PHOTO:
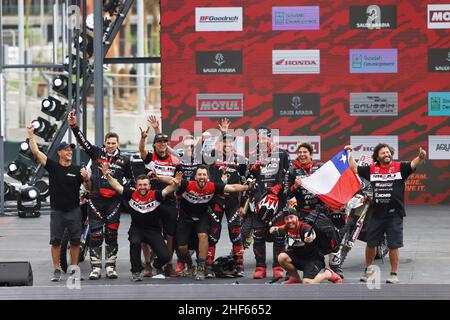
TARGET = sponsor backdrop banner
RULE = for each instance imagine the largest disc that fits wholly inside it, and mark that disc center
(439, 147)
(364, 145)
(374, 104)
(439, 103)
(354, 55)
(295, 18)
(373, 17)
(290, 144)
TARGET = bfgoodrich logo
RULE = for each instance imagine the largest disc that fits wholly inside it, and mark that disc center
(439, 60)
(295, 61)
(373, 60)
(289, 143)
(296, 104)
(373, 17)
(218, 19)
(438, 16)
(374, 104)
(295, 18)
(439, 147)
(220, 105)
(366, 144)
(219, 62)
(439, 103)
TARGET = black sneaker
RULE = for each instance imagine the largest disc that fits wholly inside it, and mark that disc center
(136, 276)
(56, 275)
(240, 271)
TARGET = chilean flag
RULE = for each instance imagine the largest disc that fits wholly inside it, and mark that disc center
(334, 183)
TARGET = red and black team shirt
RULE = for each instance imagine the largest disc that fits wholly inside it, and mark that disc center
(294, 239)
(193, 200)
(161, 166)
(144, 211)
(306, 201)
(388, 186)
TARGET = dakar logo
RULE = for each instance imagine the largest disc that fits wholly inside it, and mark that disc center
(296, 102)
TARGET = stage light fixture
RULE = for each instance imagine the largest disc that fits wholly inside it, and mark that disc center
(9, 191)
(61, 86)
(25, 150)
(74, 64)
(44, 190)
(85, 42)
(29, 202)
(19, 171)
(44, 129)
(54, 108)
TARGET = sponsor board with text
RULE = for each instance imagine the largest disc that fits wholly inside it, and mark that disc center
(373, 17)
(219, 62)
(439, 103)
(289, 143)
(296, 18)
(439, 147)
(366, 144)
(219, 19)
(220, 105)
(373, 61)
(296, 104)
(295, 61)
(439, 60)
(373, 103)
(438, 16)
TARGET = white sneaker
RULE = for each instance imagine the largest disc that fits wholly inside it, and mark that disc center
(368, 274)
(393, 279)
(111, 272)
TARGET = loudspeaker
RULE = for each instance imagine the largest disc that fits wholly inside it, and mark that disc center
(15, 274)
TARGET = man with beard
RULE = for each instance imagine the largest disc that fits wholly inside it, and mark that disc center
(302, 253)
(388, 182)
(162, 163)
(228, 167)
(104, 201)
(145, 219)
(300, 168)
(193, 217)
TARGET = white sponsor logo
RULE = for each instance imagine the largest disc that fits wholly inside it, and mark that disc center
(143, 207)
(290, 145)
(366, 144)
(385, 177)
(220, 105)
(218, 19)
(438, 16)
(295, 61)
(194, 198)
(439, 147)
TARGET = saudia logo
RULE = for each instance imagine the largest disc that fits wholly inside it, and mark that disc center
(295, 62)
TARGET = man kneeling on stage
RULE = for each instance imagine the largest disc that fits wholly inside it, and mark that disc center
(145, 219)
(302, 253)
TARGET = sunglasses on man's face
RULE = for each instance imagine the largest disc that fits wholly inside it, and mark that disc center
(162, 141)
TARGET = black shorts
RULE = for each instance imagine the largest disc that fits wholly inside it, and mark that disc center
(187, 227)
(169, 214)
(60, 220)
(310, 266)
(391, 225)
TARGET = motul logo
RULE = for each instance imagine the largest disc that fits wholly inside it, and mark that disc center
(440, 16)
(295, 62)
(220, 105)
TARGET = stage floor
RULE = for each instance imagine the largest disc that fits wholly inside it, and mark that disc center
(424, 270)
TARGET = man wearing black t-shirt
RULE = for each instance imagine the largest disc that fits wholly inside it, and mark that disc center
(145, 219)
(388, 182)
(65, 180)
(196, 197)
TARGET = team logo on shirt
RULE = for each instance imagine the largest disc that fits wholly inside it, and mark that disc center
(194, 197)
